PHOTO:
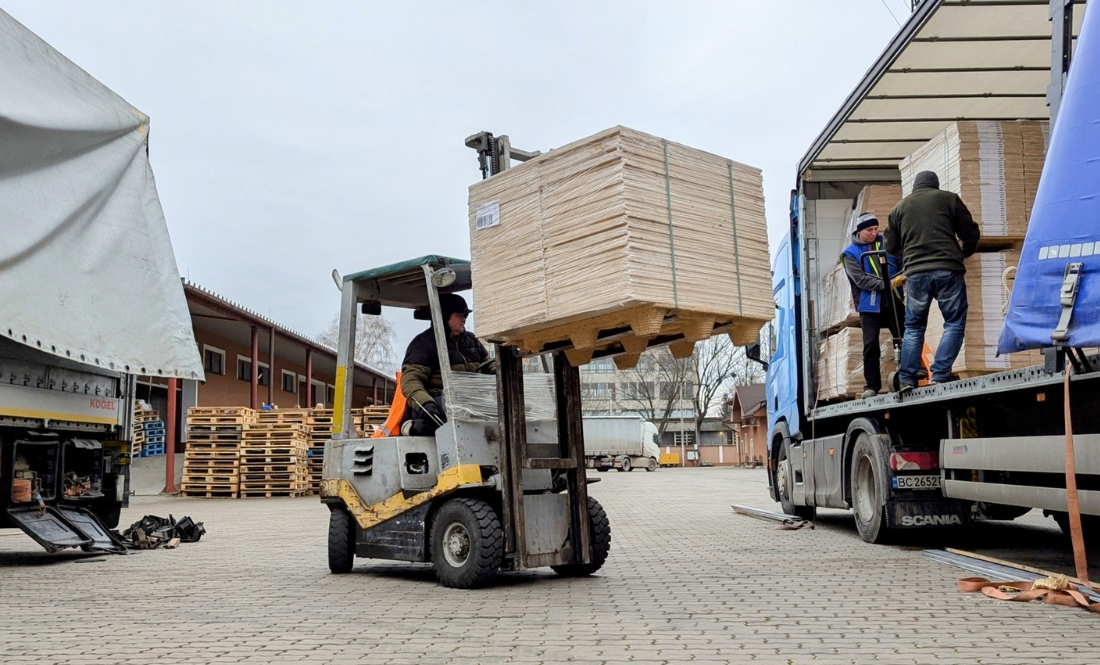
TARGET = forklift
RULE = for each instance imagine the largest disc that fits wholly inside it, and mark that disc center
(500, 485)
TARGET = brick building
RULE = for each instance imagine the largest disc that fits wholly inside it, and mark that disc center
(749, 419)
(294, 370)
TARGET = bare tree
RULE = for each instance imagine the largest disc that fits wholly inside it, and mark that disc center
(374, 339)
(653, 387)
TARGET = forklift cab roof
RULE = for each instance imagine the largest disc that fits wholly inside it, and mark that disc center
(404, 284)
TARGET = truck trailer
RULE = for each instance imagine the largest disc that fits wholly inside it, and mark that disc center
(987, 446)
(90, 296)
(621, 442)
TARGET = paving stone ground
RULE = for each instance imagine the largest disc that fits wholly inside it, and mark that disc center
(687, 581)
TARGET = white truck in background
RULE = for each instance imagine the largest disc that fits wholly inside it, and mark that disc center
(621, 442)
(90, 296)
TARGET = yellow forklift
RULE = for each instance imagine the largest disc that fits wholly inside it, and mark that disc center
(501, 483)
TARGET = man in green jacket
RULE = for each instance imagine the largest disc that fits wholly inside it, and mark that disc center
(421, 377)
(932, 231)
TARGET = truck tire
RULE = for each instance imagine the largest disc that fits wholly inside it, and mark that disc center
(652, 465)
(867, 483)
(467, 543)
(599, 535)
(626, 466)
(784, 477)
(341, 541)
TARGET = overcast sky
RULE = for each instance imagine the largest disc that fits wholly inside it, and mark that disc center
(291, 138)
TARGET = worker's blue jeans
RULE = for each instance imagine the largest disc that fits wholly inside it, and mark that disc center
(949, 290)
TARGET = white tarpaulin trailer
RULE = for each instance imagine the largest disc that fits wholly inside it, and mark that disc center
(86, 265)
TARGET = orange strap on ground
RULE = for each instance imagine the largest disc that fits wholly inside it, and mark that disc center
(1006, 591)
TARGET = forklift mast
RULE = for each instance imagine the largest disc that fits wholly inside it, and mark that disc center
(495, 153)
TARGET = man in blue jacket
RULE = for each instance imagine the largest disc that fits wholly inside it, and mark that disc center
(865, 273)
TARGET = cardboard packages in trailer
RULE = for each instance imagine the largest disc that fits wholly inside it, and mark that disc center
(620, 229)
(840, 363)
(993, 166)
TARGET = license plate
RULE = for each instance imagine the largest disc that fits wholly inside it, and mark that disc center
(923, 482)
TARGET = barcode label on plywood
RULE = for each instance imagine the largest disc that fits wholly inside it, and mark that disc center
(488, 215)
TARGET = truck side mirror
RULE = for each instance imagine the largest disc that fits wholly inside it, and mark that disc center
(752, 352)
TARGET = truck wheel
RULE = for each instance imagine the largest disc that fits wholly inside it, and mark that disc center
(652, 466)
(601, 469)
(599, 535)
(626, 465)
(341, 541)
(467, 543)
(784, 481)
(868, 503)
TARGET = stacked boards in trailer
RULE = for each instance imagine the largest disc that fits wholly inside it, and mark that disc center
(990, 445)
(90, 295)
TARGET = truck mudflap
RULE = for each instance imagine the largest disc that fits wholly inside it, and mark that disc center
(60, 528)
(901, 514)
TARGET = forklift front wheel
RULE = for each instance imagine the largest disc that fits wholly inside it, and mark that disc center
(599, 535)
(341, 541)
(467, 543)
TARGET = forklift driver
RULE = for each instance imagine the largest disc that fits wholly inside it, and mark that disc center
(421, 380)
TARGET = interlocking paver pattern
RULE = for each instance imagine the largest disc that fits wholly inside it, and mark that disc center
(687, 581)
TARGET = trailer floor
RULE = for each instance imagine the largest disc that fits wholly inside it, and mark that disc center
(687, 580)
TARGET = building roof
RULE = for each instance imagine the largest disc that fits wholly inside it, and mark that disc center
(751, 398)
(953, 60)
(216, 311)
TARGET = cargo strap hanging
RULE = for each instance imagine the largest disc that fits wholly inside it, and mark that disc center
(671, 238)
(736, 251)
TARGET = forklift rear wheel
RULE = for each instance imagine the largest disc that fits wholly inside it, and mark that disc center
(652, 466)
(599, 535)
(467, 543)
(625, 466)
(341, 541)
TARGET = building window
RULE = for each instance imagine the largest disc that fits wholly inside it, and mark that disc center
(290, 381)
(331, 394)
(685, 438)
(244, 371)
(598, 390)
(601, 366)
(213, 360)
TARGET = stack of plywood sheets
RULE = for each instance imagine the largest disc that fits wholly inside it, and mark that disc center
(621, 229)
(993, 166)
(838, 309)
(840, 364)
(878, 200)
(987, 298)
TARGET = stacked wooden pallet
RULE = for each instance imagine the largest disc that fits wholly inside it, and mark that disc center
(142, 415)
(274, 453)
(319, 424)
(620, 231)
(211, 467)
(369, 418)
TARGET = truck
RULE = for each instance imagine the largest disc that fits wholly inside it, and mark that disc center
(90, 296)
(624, 443)
(985, 447)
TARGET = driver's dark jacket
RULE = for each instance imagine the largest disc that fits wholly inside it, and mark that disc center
(421, 379)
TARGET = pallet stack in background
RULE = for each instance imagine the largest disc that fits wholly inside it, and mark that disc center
(273, 454)
(320, 430)
(211, 467)
(148, 432)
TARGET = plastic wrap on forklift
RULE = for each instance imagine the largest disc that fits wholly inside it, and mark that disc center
(474, 397)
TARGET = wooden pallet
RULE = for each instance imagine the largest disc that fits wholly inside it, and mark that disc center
(272, 457)
(193, 428)
(219, 420)
(288, 426)
(257, 494)
(265, 467)
(212, 453)
(213, 437)
(210, 466)
(201, 493)
(203, 479)
(282, 416)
